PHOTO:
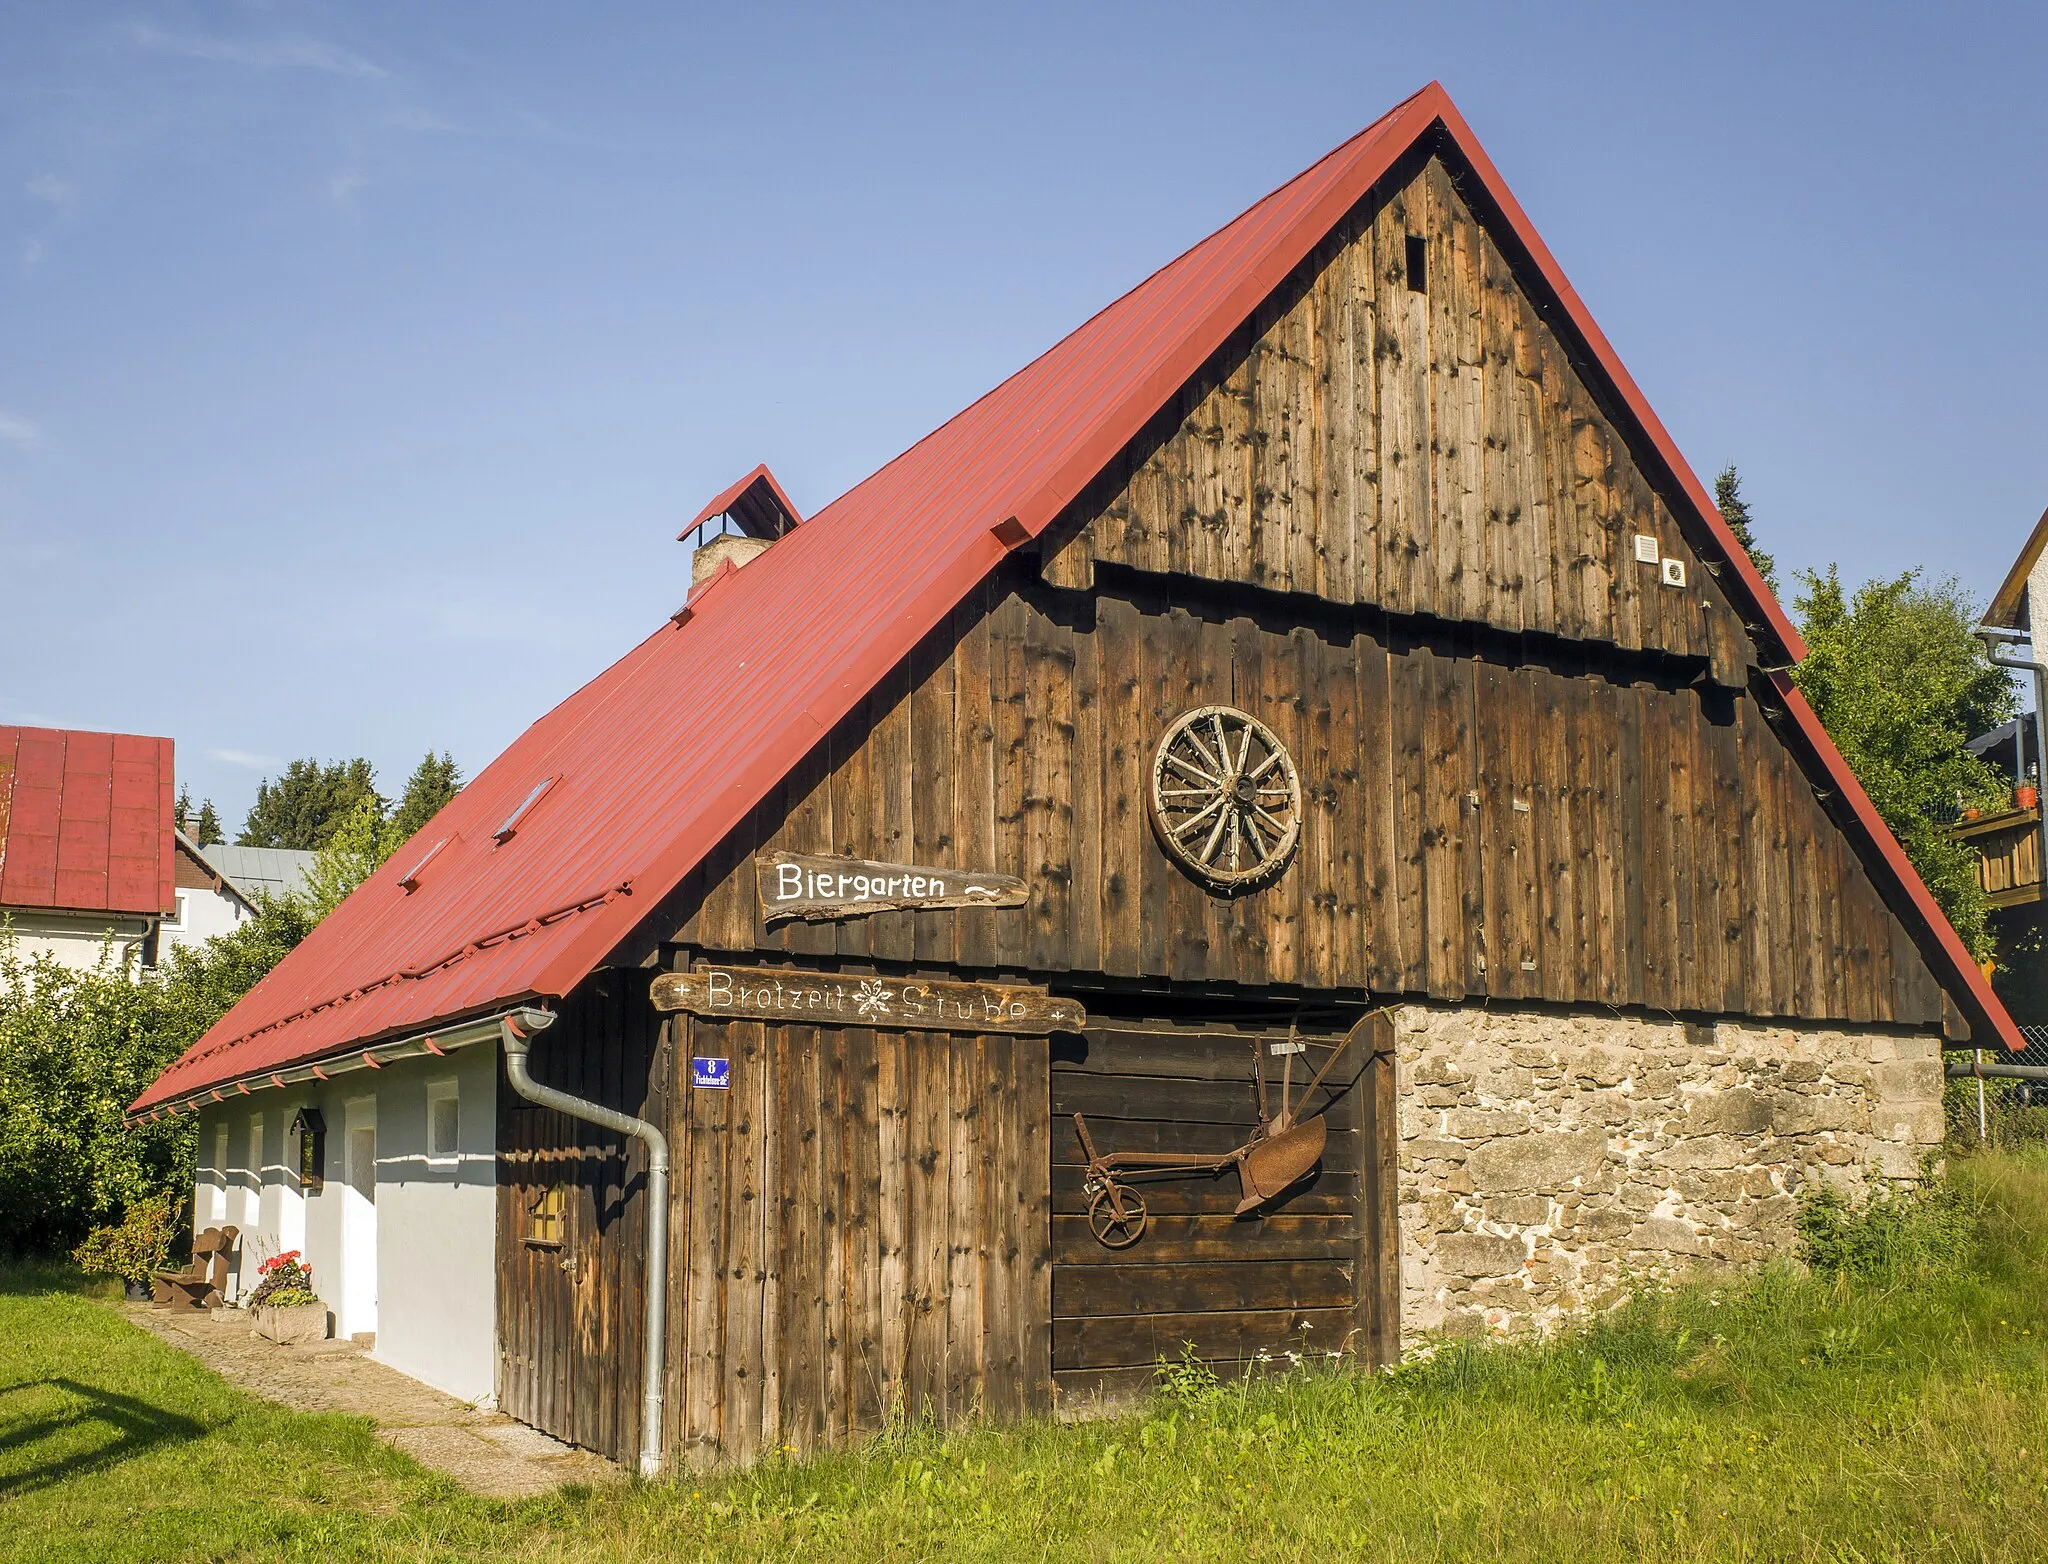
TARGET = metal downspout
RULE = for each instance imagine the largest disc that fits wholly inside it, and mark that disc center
(654, 1350)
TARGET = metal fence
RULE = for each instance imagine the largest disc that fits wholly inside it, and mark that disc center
(2000, 1112)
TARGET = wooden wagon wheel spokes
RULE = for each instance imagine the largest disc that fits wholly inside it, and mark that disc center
(1225, 797)
(1116, 1214)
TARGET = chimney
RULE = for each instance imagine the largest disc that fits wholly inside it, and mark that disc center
(734, 546)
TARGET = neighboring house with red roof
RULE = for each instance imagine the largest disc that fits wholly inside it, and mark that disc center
(1324, 643)
(86, 855)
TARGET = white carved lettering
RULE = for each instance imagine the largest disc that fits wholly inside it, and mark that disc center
(789, 881)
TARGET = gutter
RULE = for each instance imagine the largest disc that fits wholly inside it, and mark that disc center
(445, 1040)
(514, 1040)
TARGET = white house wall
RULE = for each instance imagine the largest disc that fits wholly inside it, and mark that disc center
(436, 1216)
(200, 916)
(76, 940)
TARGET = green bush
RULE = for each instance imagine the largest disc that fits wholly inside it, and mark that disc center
(137, 1248)
(1903, 1230)
(77, 1047)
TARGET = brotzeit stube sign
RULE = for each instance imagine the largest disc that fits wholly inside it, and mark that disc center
(911, 1004)
(803, 885)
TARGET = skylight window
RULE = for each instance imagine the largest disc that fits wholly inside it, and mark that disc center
(505, 832)
(410, 881)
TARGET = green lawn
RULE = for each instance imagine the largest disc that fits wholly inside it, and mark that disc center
(1895, 1410)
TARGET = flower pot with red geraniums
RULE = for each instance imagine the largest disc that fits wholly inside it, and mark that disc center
(286, 1308)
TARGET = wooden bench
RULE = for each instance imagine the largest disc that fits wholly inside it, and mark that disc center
(200, 1284)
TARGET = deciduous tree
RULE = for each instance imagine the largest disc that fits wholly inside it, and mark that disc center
(1901, 684)
(77, 1047)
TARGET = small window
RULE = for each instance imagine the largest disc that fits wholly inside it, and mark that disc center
(311, 1129)
(177, 919)
(545, 1209)
(444, 1121)
(1418, 264)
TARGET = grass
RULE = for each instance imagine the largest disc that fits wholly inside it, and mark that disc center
(1893, 1407)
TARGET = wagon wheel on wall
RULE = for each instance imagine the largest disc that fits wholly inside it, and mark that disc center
(1225, 798)
(1116, 1214)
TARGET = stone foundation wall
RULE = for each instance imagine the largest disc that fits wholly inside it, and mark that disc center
(1547, 1158)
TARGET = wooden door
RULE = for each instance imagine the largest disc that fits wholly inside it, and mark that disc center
(861, 1235)
(572, 1223)
(1310, 1273)
(538, 1270)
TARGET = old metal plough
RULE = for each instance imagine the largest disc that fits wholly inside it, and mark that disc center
(1279, 1153)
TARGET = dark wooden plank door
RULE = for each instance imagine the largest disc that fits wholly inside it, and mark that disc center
(860, 1236)
(537, 1270)
(572, 1222)
(1304, 1274)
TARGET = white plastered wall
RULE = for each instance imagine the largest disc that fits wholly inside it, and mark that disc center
(76, 940)
(436, 1218)
(201, 914)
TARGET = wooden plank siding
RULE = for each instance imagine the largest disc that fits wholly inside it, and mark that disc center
(1430, 452)
(1302, 1275)
(863, 1238)
(1501, 817)
(570, 1298)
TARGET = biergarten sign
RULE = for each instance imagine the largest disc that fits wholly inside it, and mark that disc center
(910, 1004)
(814, 887)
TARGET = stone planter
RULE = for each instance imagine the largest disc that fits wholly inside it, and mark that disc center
(290, 1327)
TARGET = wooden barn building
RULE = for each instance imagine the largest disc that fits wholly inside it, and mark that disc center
(1323, 645)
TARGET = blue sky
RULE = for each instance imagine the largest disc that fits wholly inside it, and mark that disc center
(358, 364)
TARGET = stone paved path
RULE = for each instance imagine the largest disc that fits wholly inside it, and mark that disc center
(486, 1452)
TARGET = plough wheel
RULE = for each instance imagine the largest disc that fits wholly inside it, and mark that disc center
(1116, 1215)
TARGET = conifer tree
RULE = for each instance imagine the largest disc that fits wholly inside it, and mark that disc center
(304, 806)
(434, 781)
(1735, 511)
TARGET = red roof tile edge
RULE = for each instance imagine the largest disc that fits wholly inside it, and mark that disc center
(1368, 157)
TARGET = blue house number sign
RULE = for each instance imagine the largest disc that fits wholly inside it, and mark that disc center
(713, 1073)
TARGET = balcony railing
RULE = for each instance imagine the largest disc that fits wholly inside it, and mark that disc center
(2008, 847)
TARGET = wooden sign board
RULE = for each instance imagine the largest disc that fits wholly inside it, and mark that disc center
(804, 885)
(823, 998)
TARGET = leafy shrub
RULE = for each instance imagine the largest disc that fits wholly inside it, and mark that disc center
(1907, 1229)
(135, 1249)
(76, 1047)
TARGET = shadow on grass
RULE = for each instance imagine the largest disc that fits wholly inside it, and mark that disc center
(23, 1276)
(131, 1426)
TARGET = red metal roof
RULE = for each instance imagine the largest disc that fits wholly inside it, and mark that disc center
(658, 758)
(85, 821)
